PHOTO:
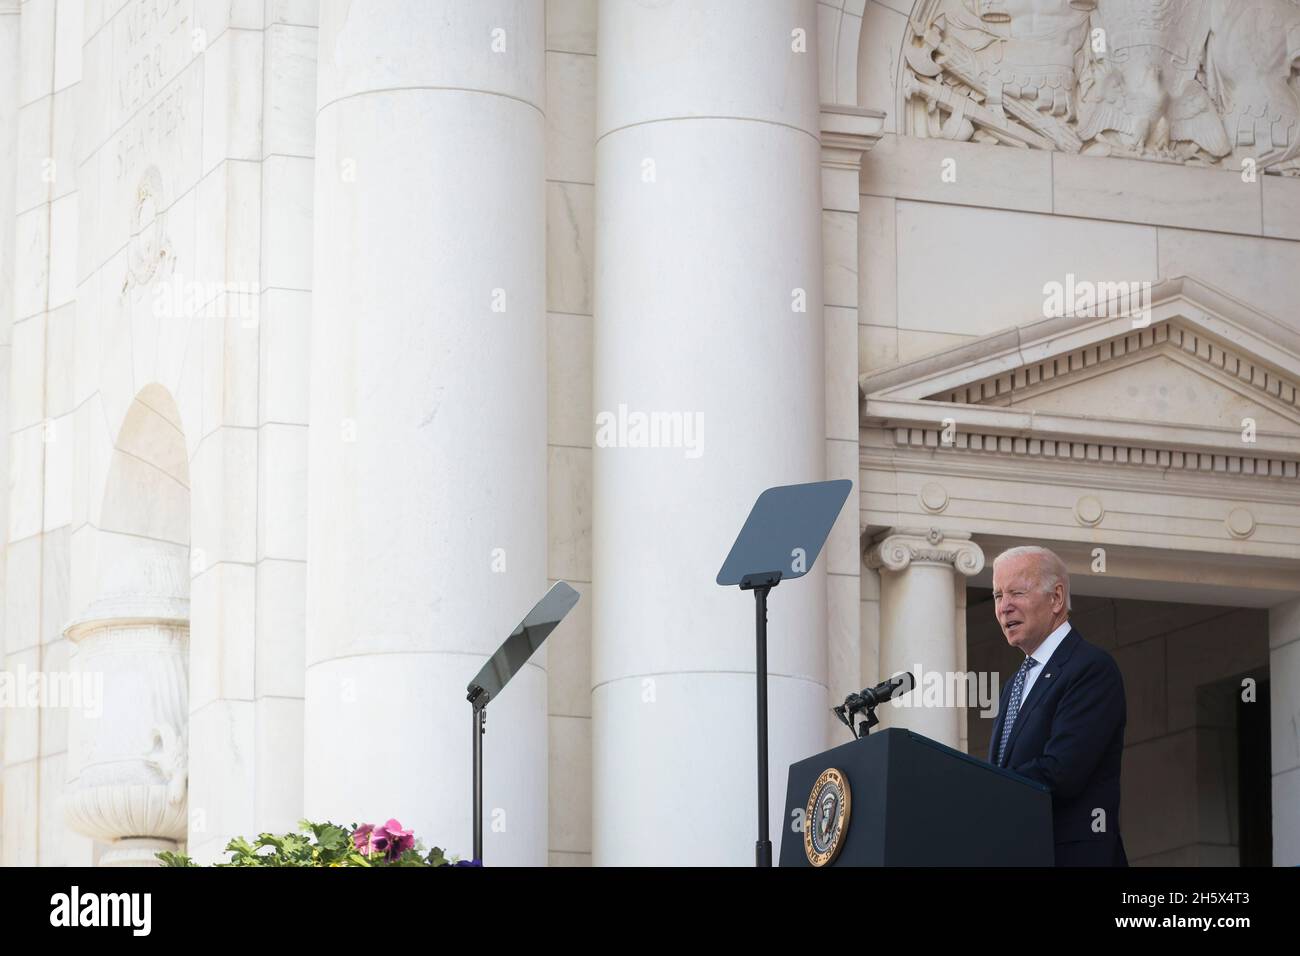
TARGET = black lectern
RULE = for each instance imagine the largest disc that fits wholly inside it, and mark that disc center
(914, 802)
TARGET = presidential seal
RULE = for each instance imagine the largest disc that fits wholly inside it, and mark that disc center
(826, 818)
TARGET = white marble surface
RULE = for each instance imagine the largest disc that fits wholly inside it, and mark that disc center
(718, 78)
(289, 88)
(571, 786)
(1284, 667)
(570, 248)
(222, 632)
(966, 174)
(646, 744)
(981, 290)
(282, 492)
(232, 97)
(1131, 190)
(278, 763)
(570, 117)
(446, 149)
(571, 26)
(884, 26)
(1286, 834)
(221, 802)
(379, 692)
(284, 340)
(281, 628)
(1262, 272)
(675, 225)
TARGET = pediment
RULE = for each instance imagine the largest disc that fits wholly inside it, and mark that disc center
(1191, 375)
(1163, 386)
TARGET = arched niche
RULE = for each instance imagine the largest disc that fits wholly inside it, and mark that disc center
(127, 766)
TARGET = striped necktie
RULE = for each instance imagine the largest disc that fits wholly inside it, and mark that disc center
(1013, 706)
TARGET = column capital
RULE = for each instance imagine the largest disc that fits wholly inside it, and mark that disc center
(898, 548)
(847, 132)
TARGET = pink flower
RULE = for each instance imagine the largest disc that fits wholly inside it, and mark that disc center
(363, 839)
(390, 839)
(399, 840)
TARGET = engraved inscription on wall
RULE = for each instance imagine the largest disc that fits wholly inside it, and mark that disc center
(153, 41)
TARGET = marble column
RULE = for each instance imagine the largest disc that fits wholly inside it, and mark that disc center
(918, 624)
(708, 312)
(128, 711)
(1284, 719)
(427, 444)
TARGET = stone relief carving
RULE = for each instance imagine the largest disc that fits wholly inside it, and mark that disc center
(1201, 82)
(1253, 57)
(151, 249)
(168, 755)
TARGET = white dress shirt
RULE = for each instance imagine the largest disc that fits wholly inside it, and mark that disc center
(1043, 655)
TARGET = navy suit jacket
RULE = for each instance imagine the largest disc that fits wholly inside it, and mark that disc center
(1069, 735)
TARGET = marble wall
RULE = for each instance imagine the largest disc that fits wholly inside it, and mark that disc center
(186, 159)
(944, 262)
(570, 249)
(162, 224)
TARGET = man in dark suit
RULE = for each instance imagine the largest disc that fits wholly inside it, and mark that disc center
(1061, 718)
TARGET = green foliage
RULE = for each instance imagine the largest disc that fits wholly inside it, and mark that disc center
(316, 844)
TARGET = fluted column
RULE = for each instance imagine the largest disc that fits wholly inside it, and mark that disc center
(128, 717)
(918, 630)
(427, 447)
(708, 312)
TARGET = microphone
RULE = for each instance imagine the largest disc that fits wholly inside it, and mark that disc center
(870, 699)
(886, 690)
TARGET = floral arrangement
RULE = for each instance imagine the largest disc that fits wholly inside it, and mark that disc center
(327, 844)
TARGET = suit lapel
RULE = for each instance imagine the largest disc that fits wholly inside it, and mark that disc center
(1043, 683)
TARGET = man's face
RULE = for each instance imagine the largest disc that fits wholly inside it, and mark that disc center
(1026, 613)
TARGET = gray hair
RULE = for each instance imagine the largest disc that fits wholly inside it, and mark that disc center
(1051, 569)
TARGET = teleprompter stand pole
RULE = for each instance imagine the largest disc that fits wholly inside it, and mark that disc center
(761, 584)
(478, 720)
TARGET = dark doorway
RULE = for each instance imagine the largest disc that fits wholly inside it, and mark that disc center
(1254, 776)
